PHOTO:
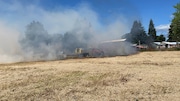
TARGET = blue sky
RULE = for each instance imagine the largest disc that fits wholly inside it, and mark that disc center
(160, 11)
(106, 11)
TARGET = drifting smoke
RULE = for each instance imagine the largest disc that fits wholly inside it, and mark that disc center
(9, 46)
(54, 32)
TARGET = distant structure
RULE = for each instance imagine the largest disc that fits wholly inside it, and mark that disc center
(162, 45)
(117, 47)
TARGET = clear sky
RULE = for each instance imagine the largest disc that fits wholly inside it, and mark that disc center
(106, 11)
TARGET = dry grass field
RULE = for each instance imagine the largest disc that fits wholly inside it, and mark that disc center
(147, 76)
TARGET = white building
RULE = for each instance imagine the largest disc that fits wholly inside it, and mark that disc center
(161, 45)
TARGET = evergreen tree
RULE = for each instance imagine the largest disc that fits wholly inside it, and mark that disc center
(137, 34)
(174, 31)
(171, 35)
(152, 30)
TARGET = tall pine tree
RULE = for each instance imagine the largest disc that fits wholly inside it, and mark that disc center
(171, 34)
(152, 31)
(137, 34)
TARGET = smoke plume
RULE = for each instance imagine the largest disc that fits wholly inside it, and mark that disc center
(41, 34)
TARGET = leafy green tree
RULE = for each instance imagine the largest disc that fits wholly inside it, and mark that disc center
(137, 34)
(36, 41)
(174, 31)
(152, 30)
(160, 38)
(35, 35)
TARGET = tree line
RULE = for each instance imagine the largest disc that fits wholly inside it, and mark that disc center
(38, 41)
(138, 35)
(36, 35)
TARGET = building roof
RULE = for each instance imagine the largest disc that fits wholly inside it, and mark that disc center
(120, 40)
(164, 43)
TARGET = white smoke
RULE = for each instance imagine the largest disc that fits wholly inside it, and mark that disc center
(9, 45)
(78, 20)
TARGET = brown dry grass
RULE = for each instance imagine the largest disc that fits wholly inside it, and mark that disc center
(147, 76)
